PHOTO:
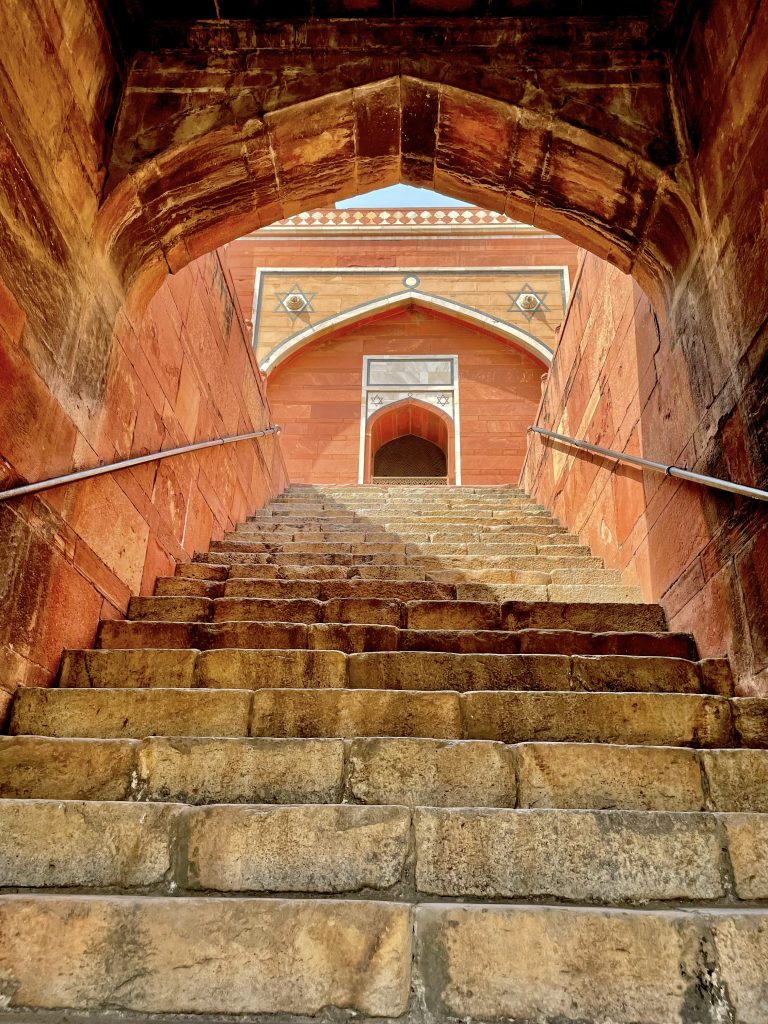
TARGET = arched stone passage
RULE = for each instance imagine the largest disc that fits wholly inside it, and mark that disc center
(198, 193)
(410, 418)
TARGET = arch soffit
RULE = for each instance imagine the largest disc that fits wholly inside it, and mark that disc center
(197, 195)
(502, 330)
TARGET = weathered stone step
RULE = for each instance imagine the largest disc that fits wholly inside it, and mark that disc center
(529, 586)
(412, 772)
(171, 848)
(584, 856)
(454, 538)
(409, 502)
(387, 517)
(510, 615)
(255, 586)
(205, 955)
(240, 553)
(358, 638)
(657, 719)
(476, 566)
(321, 590)
(405, 532)
(542, 560)
(416, 501)
(235, 955)
(391, 544)
(441, 614)
(492, 528)
(417, 670)
(233, 569)
(502, 585)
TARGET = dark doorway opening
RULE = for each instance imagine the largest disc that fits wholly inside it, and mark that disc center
(410, 456)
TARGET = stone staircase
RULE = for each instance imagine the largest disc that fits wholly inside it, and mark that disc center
(405, 753)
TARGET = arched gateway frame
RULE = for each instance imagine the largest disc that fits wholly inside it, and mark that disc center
(427, 384)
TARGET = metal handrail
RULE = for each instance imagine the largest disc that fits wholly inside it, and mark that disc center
(657, 467)
(139, 460)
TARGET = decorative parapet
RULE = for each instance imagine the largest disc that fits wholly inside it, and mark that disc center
(436, 219)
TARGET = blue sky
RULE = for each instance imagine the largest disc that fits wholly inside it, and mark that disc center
(399, 196)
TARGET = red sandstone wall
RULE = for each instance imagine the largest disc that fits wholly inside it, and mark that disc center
(83, 377)
(617, 381)
(315, 397)
(75, 554)
(694, 391)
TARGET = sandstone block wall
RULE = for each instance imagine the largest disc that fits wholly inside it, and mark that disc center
(690, 386)
(76, 554)
(86, 377)
(618, 381)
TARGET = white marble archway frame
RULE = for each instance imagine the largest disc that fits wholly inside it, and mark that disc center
(503, 330)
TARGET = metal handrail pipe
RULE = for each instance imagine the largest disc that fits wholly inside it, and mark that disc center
(139, 460)
(657, 467)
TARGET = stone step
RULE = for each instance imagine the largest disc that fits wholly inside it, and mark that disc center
(358, 638)
(529, 586)
(333, 490)
(418, 527)
(415, 504)
(321, 590)
(300, 558)
(492, 528)
(303, 957)
(416, 501)
(656, 719)
(402, 670)
(392, 546)
(386, 519)
(474, 567)
(233, 569)
(279, 538)
(585, 856)
(205, 955)
(448, 614)
(470, 566)
(440, 614)
(411, 772)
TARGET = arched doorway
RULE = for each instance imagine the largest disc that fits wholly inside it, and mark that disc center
(410, 457)
(410, 441)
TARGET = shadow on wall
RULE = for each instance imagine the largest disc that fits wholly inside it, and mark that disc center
(619, 381)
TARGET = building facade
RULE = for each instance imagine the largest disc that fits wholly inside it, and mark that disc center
(403, 343)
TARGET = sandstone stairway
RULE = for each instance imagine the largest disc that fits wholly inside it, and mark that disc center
(409, 754)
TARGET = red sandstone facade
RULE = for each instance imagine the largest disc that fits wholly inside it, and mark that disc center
(450, 283)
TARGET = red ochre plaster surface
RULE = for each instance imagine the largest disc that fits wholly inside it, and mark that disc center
(75, 554)
(316, 397)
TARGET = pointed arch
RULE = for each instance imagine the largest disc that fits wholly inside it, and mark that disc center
(410, 416)
(220, 178)
(504, 331)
